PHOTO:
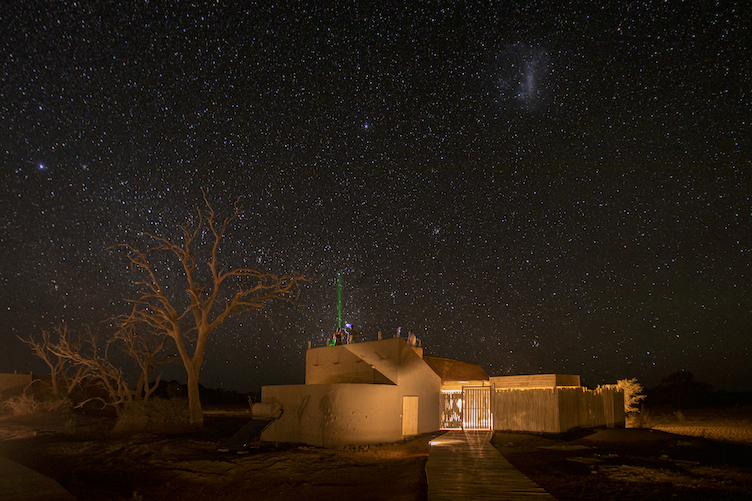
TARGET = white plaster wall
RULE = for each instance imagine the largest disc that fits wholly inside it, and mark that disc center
(336, 406)
(332, 415)
(417, 378)
(329, 363)
(339, 364)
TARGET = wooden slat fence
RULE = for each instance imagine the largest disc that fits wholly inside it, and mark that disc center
(555, 410)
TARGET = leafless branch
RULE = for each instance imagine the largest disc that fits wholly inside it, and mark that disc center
(228, 292)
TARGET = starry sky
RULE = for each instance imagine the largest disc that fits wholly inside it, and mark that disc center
(530, 186)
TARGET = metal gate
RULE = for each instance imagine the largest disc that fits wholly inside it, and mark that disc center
(451, 409)
(468, 408)
(476, 414)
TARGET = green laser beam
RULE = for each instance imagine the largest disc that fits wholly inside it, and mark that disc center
(339, 300)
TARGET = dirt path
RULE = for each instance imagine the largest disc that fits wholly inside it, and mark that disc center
(622, 464)
(87, 459)
(96, 464)
(727, 432)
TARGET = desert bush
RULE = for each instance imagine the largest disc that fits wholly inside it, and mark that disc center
(632, 394)
(155, 415)
(641, 419)
(23, 405)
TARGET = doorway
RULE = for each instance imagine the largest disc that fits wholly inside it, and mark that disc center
(466, 409)
(409, 415)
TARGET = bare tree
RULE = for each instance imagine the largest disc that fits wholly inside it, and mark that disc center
(147, 356)
(213, 293)
(76, 359)
(90, 357)
(61, 368)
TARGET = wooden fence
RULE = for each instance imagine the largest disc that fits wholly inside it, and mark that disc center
(555, 410)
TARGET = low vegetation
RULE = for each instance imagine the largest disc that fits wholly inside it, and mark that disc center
(155, 415)
(24, 405)
(632, 394)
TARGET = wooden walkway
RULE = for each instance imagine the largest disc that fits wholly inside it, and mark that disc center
(464, 465)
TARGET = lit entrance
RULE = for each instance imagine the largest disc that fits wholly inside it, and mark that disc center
(466, 409)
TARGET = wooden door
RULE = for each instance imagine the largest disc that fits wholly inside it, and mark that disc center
(409, 415)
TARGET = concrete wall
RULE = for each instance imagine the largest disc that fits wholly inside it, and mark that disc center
(331, 415)
(371, 362)
(338, 364)
(415, 377)
(14, 381)
(388, 361)
(556, 410)
(353, 395)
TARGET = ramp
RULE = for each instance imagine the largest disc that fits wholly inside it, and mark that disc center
(247, 434)
(464, 465)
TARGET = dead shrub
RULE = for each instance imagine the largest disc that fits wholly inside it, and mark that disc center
(57, 405)
(24, 405)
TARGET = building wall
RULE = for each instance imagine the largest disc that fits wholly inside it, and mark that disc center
(351, 363)
(14, 381)
(353, 395)
(333, 415)
(338, 364)
(554, 410)
(458, 385)
(536, 381)
(388, 361)
(417, 378)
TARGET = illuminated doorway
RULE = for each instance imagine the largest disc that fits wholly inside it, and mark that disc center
(451, 409)
(477, 412)
(466, 409)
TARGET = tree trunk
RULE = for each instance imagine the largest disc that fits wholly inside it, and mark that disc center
(194, 401)
(55, 384)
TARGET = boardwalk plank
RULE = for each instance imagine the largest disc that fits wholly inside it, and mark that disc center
(464, 465)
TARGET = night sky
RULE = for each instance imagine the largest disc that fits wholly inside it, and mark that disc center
(530, 187)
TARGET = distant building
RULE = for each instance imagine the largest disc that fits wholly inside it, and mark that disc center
(386, 390)
(14, 383)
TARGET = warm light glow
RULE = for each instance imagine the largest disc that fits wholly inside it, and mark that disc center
(444, 440)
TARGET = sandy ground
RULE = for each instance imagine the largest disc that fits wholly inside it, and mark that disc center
(93, 463)
(728, 426)
(701, 455)
(704, 457)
